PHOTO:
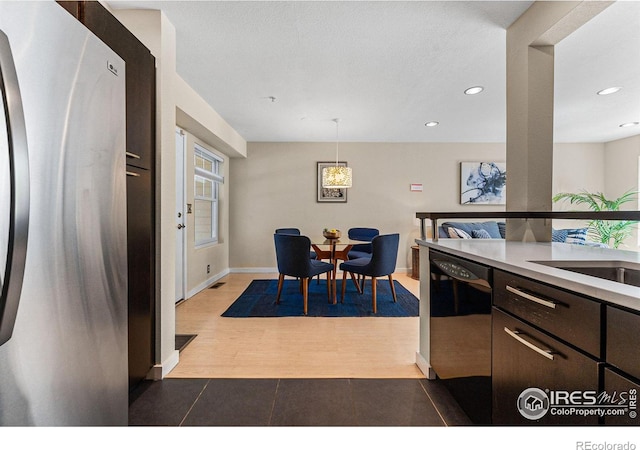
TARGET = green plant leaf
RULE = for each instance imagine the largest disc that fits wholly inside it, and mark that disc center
(604, 231)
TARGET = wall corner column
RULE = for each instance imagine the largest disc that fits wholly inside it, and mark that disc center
(530, 98)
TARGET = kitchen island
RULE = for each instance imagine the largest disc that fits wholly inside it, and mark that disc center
(521, 257)
(547, 340)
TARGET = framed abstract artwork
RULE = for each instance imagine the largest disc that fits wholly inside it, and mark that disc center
(329, 195)
(483, 183)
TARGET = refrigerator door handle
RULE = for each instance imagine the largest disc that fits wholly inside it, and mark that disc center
(11, 280)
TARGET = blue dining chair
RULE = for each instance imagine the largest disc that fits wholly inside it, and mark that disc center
(294, 231)
(292, 255)
(382, 262)
(364, 235)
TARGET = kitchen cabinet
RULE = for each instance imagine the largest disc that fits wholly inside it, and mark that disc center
(622, 375)
(519, 364)
(623, 391)
(569, 316)
(140, 78)
(140, 148)
(547, 338)
(623, 328)
(557, 338)
(141, 261)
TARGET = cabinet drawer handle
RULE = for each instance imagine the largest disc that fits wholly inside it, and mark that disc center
(533, 298)
(132, 174)
(132, 155)
(515, 334)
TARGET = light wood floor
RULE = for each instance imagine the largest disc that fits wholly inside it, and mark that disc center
(292, 347)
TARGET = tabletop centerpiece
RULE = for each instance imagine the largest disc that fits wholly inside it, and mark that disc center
(331, 233)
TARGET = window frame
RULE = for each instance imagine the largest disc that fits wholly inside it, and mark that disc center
(216, 179)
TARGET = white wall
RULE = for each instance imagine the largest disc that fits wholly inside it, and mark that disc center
(216, 256)
(577, 167)
(174, 100)
(610, 168)
(621, 159)
(276, 187)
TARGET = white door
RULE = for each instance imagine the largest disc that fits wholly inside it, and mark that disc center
(181, 260)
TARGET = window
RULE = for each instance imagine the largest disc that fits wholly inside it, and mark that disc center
(207, 179)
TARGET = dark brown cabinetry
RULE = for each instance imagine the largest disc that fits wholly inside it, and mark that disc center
(622, 376)
(524, 357)
(140, 147)
(558, 357)
(568, 316)
(546, 338)
(624, 393)
(623, 330)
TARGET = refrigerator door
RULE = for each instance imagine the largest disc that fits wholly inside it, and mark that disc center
(66, 362)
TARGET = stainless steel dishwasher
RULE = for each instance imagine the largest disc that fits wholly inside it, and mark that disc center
(460, 331)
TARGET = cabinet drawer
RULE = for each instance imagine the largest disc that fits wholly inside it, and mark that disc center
(571, 317)
(519, 363)
(623, 330)
(622, 386)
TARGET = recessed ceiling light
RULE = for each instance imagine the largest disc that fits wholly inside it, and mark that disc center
(474, 90)
(629, 124)
(432, 124)
(607, 91)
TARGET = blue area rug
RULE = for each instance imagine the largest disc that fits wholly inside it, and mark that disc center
(259, 300)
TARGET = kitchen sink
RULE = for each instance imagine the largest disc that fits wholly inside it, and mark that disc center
(619, 271)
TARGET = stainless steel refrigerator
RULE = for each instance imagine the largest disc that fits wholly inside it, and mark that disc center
(63, 268)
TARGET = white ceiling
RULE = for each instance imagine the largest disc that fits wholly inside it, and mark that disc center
(384, 68)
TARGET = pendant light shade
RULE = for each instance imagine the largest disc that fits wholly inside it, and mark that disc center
(336, 177)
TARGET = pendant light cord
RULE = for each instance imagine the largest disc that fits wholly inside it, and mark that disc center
(336, 121)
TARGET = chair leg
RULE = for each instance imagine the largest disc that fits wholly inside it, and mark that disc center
(329, 288)
(373, 294)
(305, 294)
(344, 285)
(393, 288)
(355, 282)
(280, 280)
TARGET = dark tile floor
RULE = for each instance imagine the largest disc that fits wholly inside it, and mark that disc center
(293, 402)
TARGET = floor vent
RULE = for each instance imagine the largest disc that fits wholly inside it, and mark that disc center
(216, 285)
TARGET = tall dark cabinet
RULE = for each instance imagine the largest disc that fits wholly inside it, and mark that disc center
(140, 142)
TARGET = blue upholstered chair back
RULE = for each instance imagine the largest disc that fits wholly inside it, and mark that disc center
(292, 255)
(384, 255)
(362, 234)
(288, 231)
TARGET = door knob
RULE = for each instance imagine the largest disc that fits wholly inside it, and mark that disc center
(180, 226)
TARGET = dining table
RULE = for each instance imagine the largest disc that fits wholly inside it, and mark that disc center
(334, 250)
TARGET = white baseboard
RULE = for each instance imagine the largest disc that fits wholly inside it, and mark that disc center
(159, 371)
(425, 367)
(254, 270)
(208, 282)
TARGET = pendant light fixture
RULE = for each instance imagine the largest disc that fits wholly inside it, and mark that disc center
(337, 177)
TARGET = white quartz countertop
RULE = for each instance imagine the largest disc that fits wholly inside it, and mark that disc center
(520, 257)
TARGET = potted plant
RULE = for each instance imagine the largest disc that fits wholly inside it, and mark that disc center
(604, 231)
